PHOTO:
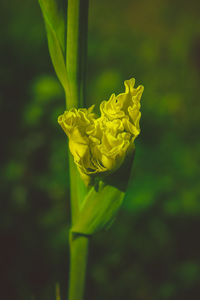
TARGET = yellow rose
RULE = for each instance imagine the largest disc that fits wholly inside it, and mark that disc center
(100, 145)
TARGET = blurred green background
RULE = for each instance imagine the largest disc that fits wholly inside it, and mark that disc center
(152, 252)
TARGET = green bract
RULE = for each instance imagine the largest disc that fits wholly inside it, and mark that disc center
(98, 209)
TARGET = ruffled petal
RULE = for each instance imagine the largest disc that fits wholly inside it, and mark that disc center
(100, 145)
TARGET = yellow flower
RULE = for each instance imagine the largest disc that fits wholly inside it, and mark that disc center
(100, 145)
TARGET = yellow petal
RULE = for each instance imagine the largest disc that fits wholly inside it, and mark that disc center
(100, 145)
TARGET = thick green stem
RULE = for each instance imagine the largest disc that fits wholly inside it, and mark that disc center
(76, 52)
(78, 265)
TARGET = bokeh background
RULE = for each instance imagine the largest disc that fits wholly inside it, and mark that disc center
(152, 252)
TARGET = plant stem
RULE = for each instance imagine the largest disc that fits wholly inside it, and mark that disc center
(58, 291)
(76, 52)
(78, 266)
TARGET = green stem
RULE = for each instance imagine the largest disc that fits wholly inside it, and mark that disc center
(76, 51)
(58, 291)
(78, 266)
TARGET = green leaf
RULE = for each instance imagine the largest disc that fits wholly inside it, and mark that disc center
(98, 210)
(54, 17)
(53, 12)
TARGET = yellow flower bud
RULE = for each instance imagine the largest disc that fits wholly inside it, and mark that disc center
(100, 145)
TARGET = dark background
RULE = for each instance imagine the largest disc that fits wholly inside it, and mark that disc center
(152, 251)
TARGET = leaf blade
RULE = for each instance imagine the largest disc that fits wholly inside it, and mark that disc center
(54, 19)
